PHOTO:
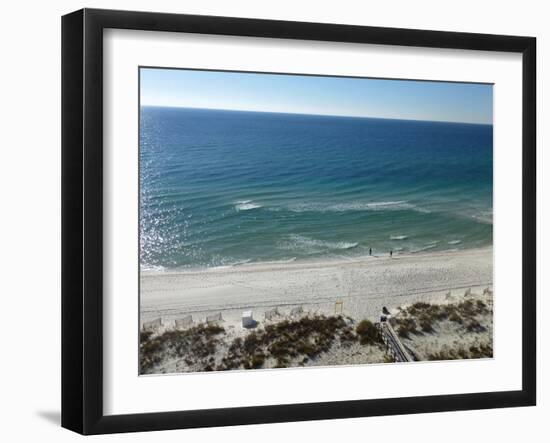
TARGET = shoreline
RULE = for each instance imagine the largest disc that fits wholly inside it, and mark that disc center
(363, 284)
(307, 262)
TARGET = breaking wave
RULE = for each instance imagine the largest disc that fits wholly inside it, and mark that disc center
(426, 247)
(246, 205)
(485, 217)
(400, 205)
(312, 246)
(398, 237)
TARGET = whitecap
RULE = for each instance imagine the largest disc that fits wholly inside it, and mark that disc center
(312, 245)
(246, 205)
(454, 242)
(425, 247)
(485, 217)
(357, 206)
(398, 237)
(228, 262)
(152, 268)
(241, 262)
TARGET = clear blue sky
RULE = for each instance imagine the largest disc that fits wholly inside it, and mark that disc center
(400, 99)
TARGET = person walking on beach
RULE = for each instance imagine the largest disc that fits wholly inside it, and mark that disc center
(391, 253)
(370, 251)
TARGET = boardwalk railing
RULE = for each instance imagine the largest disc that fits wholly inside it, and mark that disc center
(392, 342)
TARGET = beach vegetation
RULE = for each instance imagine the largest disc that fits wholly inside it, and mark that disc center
(423, 317)
(308, 336)
(475, 326)
(299, 341)
(194, 346)
(481, 351)
(406, 326)
(368, 333)
(461, 353)
(456, 318)
(467, 308)
(481, 307)
(145, 336)
(426, 323)
(295, 342)
(468, 316)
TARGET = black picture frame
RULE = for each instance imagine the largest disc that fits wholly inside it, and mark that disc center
(82, 218)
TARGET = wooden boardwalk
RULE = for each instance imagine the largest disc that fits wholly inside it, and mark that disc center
(392, 342)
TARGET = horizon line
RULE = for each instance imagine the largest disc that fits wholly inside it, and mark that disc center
(317, 115)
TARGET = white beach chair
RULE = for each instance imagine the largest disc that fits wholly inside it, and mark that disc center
(152, 325)
(184, 322)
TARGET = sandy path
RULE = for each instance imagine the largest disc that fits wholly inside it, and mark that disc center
(364, 285)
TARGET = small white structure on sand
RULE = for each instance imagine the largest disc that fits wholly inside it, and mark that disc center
(214, 318)
(152, 325)
(184, 322)
(248, 320)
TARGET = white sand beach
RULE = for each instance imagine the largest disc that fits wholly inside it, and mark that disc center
(364, 286)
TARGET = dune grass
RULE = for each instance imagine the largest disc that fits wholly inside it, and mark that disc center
(466, 317)
(286, 343)
(293, 342)
(196, 345)
(421, 317)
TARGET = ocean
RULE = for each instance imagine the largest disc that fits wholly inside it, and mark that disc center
(226, 188)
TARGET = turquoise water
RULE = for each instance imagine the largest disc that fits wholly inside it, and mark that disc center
(221, 188)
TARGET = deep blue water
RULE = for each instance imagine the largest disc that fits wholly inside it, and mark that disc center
(227, 187)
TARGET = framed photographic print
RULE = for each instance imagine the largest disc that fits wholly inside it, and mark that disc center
(269, 221)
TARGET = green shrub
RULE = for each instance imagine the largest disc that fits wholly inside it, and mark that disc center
(455, 317)
(467, 308)
(144, 336)
(192, 345)
(407, 326)
(481, 307)
(257, 361)
(368, 333)
(475, 326)
(425, 323)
